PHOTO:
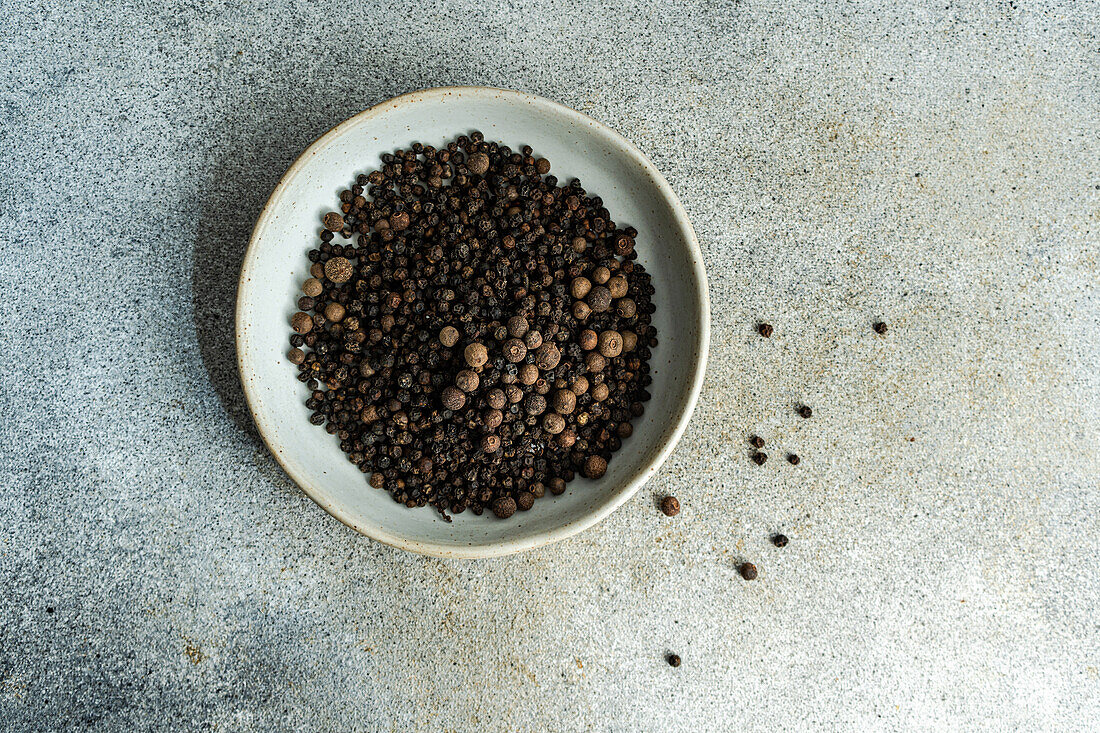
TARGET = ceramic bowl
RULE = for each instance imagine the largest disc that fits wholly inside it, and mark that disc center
(578, 147)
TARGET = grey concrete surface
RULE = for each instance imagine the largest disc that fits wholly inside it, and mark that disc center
(934, 165)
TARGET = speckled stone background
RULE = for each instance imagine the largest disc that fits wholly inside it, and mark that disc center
(937, 166)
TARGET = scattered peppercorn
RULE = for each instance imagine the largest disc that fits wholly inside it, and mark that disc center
(748, 571)
(471, 332)
(780, 540)
(880, 327)
(765, 330)
(759, 457)
(673, 660)
(805, 411)
(756, 442)
(793, 459)
(670, 505)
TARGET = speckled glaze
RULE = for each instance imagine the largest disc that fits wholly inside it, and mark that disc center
(578, 147)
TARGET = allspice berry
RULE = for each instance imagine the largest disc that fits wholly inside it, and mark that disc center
(476, 355)
(600, 392)
(535, 404)
(566, 438)
(517, 326)
(478, 164)
(514, 350)
(334, 312)
(626, 308)
(670, 505)
(513, 393)
(580, 287)
(296, 356)
(595, 467)
(556, 486)
(533, 339)
(581, 310)
(553, 423)
(333, 222)
(564, 402)
(453, 398)
(542, 166)
(504, 507)
(525, 501)
(339, 270)
(617, 286)
(496, 399)
(610, 344)
(492, 418)
(467, 380)
(547, 356)
(301, 322)
(601, 275)
(317, 270)
(448, 336)
(579, 386)
(587, 339)
(599, 299)
(312, 287)
(490, 443)
(625, 430)
(630, 341)
(528, 374)
(595, 362)
(400, 220)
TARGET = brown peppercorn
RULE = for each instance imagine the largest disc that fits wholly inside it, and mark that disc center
(581, 310)
(626, 308)
(533, 339)
(805, 411)
(630, 341)
(400, 220)
(476, 355)
(467, 380)
(514, 350)
(492, 418)
(377, 480)
(504, 507)
(542, 166)
(556, 485)
(880, 327)
(780, 540)
(579, 244)
(595, 362)
(547, 356)
(301, 322)
(617, 286)
(528, 374)
(673, 660)
(624, 244)
(478, 164)
(765, 330)
(448, 336)
(317, 270)
(601, 275)
(793, 459)
(595, 467)
(599, 299)
(334, 312)
(610, 344)
(759, 458)
(670, 505)
(553, 423)
(748, 571)
(296, 356)
(564, 401)
(535, 404)
(339, 270)
(580, 287)
(579, 386)
(517, 326)
(588, 339)
(495, 398)
(312, 287)
(566, 438)
(490, 443)
(333, 222)
(525, 500)
(513, 393)
(625, 430)
(600, 392)
(453, 398)
(756, 442)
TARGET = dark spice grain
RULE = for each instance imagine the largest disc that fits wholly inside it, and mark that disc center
(748, 571)
(670, 505)
(673, 660)
(472, 332)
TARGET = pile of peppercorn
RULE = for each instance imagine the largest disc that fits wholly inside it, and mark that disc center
(484, 333)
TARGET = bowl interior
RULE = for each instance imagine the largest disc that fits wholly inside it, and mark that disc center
(276, 265)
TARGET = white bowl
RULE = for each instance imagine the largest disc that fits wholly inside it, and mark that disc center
(578, 147)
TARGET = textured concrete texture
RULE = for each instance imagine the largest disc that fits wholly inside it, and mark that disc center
(936, 166)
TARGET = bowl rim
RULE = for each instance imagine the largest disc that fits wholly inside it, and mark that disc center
(633, 484)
